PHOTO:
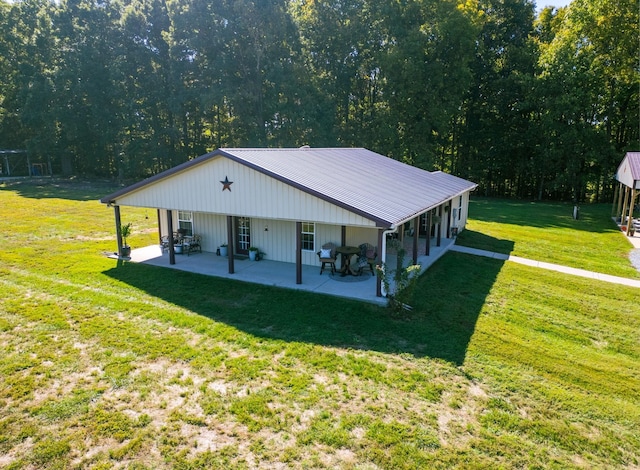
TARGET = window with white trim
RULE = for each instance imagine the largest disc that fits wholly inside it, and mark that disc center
(460, 207)
(308, 236)
(185, 222)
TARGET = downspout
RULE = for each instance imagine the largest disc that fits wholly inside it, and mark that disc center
(383, 250)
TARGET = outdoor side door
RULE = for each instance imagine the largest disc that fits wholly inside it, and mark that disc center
(243, 235)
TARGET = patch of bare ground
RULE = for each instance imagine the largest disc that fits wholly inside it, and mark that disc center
(213, 437)
(93, 239)
(15, 453)
(458, 411)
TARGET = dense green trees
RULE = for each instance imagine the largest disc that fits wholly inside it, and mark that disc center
(527, 106)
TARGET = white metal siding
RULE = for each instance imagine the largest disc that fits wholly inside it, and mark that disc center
(465, 211)
(624, 174)
(357, 236)
(278, 243)
(252, 194)
(212, 228)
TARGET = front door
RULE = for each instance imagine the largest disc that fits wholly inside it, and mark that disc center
(243, 235)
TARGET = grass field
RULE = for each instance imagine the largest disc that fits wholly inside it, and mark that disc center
(548, 232)
(109, 365)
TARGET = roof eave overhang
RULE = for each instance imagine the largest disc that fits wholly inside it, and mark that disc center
(433, 206)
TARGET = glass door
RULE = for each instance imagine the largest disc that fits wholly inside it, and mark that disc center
(243, 235)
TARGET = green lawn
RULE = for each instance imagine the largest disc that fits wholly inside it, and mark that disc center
(109, 365)
(548, 232)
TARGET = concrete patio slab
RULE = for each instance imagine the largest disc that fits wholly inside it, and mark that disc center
(280, 274)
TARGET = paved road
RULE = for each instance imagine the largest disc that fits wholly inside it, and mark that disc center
(550, 266)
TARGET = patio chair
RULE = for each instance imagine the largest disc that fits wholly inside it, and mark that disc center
(193, 245)
(164, 243)
(368, 255)
(327, 255)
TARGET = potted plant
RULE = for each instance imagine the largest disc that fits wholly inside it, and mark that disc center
(253, 253)
(223, 249)
(125, 232)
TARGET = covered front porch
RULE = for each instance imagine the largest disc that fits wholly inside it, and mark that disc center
(282, 274)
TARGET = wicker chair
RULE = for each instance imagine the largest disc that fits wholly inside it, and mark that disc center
(368, 256)
(327, 255)
(164, 243)
(194, 244)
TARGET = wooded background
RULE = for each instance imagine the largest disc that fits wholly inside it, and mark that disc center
(528, 104)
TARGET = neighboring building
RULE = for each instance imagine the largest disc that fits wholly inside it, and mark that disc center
(628, 177)
(289, 202)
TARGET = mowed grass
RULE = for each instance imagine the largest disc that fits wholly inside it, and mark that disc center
(109, 365)
(548, 232)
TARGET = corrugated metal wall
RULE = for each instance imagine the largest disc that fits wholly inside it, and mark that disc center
(252, 194)
(278, 242)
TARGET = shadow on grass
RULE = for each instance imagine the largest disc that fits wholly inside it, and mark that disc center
(592, 217)
(447, 303)
(480, 241)
(59, 188)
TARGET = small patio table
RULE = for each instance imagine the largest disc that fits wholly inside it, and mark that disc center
(347, 252)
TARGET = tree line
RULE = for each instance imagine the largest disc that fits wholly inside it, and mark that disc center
(529, 105)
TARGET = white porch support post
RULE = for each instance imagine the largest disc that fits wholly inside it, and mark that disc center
(172, 252)
(298, 252)
(116, 212)
(230, 243)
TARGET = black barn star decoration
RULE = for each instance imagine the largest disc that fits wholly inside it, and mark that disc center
(226, 184)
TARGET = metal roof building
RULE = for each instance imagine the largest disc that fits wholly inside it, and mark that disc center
(267, 197)
(628, 177)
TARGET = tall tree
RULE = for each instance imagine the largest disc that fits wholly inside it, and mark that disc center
(427, 70)
(90, 93)
(493, 144)
(341, 41)
(590, 85)
(27, 60)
